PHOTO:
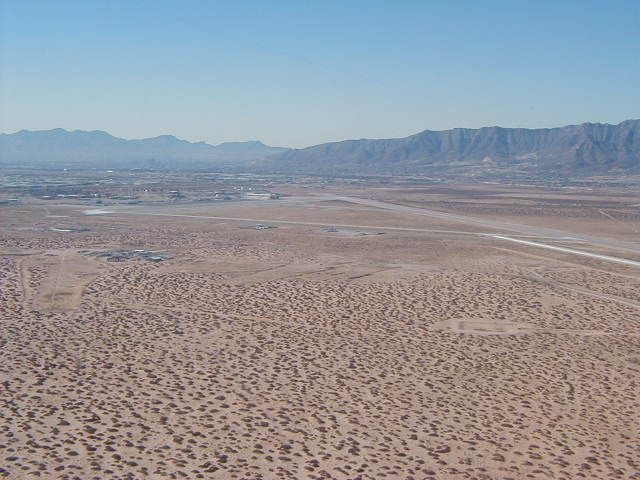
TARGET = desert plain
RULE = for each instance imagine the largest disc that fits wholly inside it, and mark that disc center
(338, 332)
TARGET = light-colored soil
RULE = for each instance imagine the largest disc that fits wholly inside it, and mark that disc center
(300, 353)
(54, 280)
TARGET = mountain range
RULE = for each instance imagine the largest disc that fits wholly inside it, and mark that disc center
(98, 149)
(489, 152)
(575, 150)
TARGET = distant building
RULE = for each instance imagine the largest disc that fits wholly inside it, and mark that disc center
(256, 196)
(261, 196)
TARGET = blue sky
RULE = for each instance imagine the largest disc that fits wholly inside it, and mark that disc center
(297, 73)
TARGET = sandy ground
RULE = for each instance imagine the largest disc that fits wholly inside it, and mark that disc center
(297, 352)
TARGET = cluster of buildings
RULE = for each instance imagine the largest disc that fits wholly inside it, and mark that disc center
(124, 255)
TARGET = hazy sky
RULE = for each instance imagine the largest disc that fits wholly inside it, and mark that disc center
(299, 73)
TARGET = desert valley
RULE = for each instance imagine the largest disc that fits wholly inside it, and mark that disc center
(337, 330)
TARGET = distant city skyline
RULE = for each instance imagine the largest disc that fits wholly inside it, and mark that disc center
(303, 73)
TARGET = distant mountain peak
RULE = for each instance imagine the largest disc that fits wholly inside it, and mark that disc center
(165, 137)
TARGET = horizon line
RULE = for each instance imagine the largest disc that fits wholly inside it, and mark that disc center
(193, 142)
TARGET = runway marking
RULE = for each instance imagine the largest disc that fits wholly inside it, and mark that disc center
(572, 251)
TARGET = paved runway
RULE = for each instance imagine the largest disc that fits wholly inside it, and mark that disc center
(540, 234)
